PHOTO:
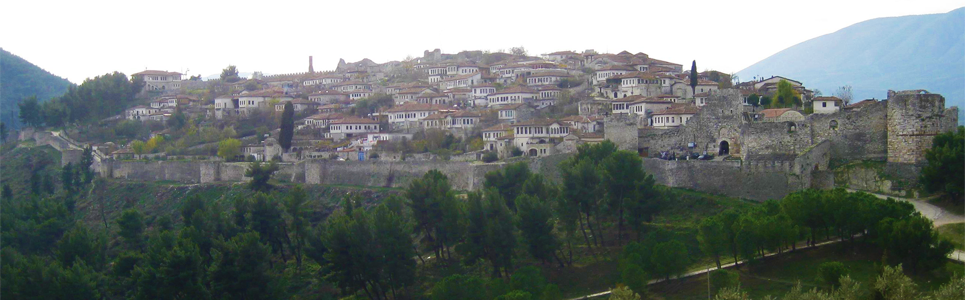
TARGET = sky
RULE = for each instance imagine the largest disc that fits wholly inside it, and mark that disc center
(83, 39)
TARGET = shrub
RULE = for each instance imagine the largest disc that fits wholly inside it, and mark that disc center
(516, 151)
(720, 279)
(490, 157)
(831, 272)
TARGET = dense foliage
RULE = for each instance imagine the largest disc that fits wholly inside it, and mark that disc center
(945, 171)
(427, 241)
(94, 99)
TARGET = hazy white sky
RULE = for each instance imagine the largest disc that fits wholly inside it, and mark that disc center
(81, 39)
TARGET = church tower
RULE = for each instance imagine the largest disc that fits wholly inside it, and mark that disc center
(310, 68)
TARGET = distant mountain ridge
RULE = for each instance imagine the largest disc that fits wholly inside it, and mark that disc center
(20, 79)
(897, 53)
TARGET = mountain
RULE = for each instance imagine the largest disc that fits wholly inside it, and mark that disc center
(20, 79)
(874, 56)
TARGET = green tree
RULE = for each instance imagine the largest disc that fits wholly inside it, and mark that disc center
(287, 126)
(7, 193)
(298, 221)
(914, 242)
(31, 113)
(535, 222)
(945, 170)
(460, 287)
(394, 241)
(693, 77)
(240, 269)
(529, 280)
(131, 228)
(581, 188)
(229, 149)
(892, 284)
(490, 234)
(230, 74)
(831, 273)
(670, 259)
(786, 96)
(635, 278)
(260, 174)
(722, 278)
(508, 182)
(713, 238)
(67, 178)
(622, 179)
(623, 293)
(3, 132)
(79, 244)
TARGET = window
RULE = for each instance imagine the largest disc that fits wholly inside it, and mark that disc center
(824, 104)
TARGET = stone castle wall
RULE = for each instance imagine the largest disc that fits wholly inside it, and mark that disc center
(913, 121)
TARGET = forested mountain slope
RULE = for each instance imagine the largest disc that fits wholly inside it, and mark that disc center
(20, 79)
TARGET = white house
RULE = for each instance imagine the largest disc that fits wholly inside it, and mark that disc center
(351, 126)
(684, 90)
(482, 90)
(155, 80)
(491, 136)
(352, 85)
(511, 95)
(460, 81)
(826, 105)
(585, 124)
(322, 120)
(546, 77)
(327, 97)
(673, 117)
(645, 106)
(409, 114)
(261, 98)
(548, 92)
(533, 137)
(433, 98)
(140, 112)
(359, 94)
(298, 104)
(225, 102)
(513, 113)
(638, 83)
(603, 74)
(560, 56)
(323, 79)
(409, 95)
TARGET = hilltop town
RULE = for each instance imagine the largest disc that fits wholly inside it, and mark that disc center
(568, 174)
(700, 130)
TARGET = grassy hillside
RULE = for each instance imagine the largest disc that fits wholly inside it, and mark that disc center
(20, 79)
(899, 53)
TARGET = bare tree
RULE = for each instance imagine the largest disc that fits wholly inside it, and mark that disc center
(518, 51)
(844, 93)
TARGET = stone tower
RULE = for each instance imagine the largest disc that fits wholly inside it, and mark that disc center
(311, 69)
(914, 118)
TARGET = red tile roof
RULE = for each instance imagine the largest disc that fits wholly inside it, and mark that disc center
(417, 107)
(354, 120)
(681, 110)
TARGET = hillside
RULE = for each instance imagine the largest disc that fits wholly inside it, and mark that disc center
(20, 79)
(898, 53)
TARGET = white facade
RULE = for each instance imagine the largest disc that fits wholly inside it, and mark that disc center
(826, 105)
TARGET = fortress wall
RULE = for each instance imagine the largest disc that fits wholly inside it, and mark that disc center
(913, 121)
(775, 137)
(728, 178)
(861, 134)
(462, 175)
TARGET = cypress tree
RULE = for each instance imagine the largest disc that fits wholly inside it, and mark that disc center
(287, 126)
(693, 77)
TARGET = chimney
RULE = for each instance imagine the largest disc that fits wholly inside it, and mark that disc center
(310, 68)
